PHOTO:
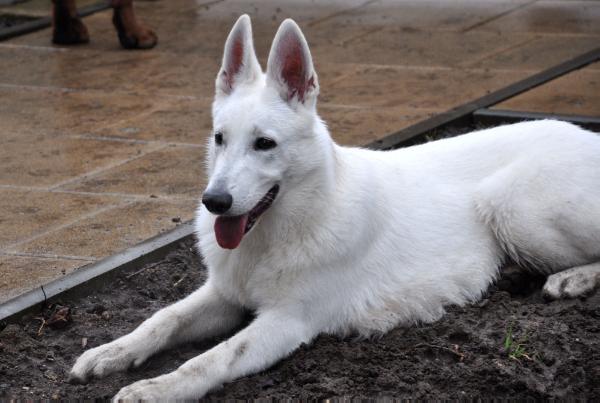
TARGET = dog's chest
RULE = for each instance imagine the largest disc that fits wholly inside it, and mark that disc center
(251, 280)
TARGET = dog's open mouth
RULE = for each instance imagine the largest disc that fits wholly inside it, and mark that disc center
(230, 230)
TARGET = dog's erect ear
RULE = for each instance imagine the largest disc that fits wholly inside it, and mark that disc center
(290, 67)
(239, 60)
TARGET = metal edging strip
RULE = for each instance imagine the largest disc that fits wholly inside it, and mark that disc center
(45, 22)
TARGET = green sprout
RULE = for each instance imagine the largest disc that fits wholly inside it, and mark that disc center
(516, 349)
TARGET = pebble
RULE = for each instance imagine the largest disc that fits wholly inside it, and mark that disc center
(96, 309)
(50, 375)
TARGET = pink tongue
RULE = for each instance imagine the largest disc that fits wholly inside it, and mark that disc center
(230, 230)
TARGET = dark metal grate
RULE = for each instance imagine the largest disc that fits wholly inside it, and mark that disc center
(37, 23)
(12, 20)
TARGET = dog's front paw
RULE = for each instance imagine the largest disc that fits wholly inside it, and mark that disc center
(146, 390)
(162, 388)
(177, 385)
(104, 360)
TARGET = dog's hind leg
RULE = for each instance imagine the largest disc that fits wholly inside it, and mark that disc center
(547, 220)
(202, 314)
(573, 282)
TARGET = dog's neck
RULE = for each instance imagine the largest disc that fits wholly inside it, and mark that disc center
(303, 204)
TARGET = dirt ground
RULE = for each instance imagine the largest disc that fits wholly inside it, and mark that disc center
(553, 348)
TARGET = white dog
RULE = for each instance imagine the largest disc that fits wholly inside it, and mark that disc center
(318, 238)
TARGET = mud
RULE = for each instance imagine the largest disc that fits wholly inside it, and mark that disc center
(554, 349)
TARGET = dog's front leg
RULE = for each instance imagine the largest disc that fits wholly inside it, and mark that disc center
(269, 338)
(202, 314)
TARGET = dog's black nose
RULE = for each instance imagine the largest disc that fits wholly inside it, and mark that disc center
(217, 203)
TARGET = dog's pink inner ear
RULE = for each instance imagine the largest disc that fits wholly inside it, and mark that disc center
(294, 69)
(235, 59)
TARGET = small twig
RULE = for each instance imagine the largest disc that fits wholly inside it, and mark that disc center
(520, 355)
(180, 280)
(143, 269)
(39, 332)
(527, 356)
(453, 351)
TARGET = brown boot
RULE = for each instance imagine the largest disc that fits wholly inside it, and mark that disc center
(132, 33)
(67, 28)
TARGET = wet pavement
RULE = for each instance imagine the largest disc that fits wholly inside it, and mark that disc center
(576, 93)
(103, 148)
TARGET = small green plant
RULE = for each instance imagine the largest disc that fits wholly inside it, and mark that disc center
(516, 349)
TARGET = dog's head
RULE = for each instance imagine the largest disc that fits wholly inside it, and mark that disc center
(264, 136)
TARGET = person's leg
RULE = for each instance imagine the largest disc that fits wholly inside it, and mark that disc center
(132, 33)
(67, 28)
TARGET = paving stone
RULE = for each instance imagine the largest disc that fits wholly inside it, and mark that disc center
(538, 53)
(401, 46)
(113, 230)
(39, 159)
(577, 93)
(551, 17)
(19, 274)
(358, 126)
(175, 120)
(428, 15)
(28, 213)
(49, 113)
(171, 171)
(430, 88)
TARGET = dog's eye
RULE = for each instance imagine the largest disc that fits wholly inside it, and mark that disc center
(264, 143)
(219, 138)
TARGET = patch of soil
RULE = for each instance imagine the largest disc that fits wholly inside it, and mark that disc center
(553, 348)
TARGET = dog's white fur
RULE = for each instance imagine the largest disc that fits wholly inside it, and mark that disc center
(359, 241)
